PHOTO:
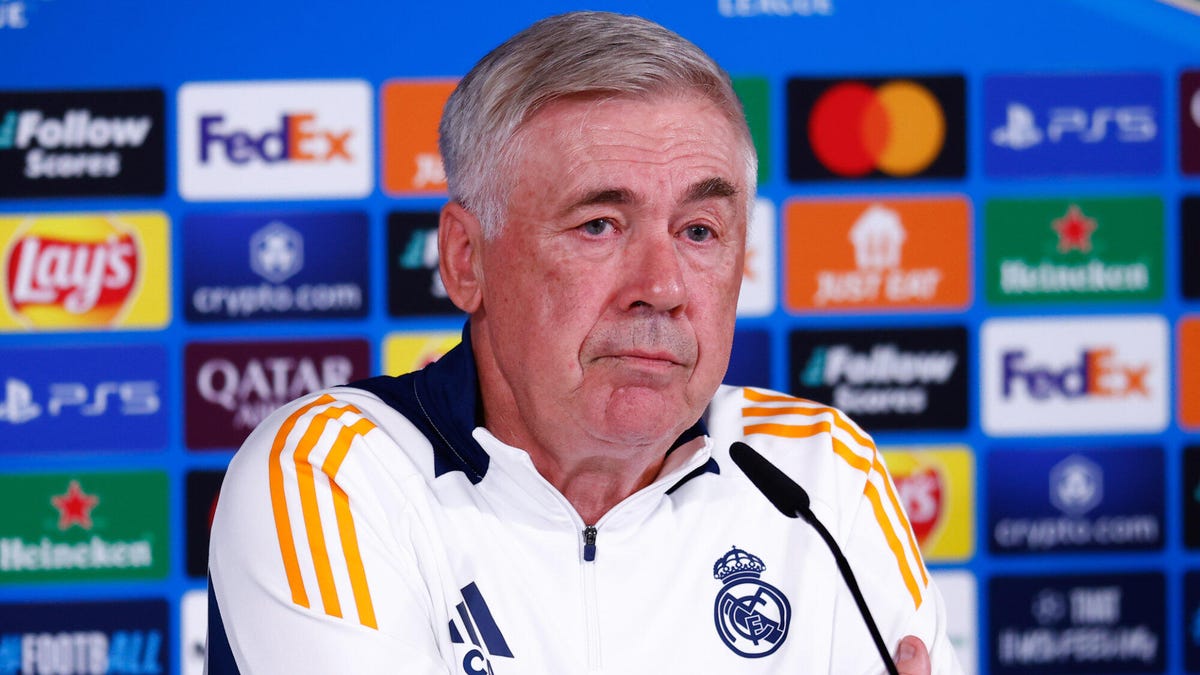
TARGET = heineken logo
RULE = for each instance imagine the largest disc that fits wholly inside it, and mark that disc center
(74, 507)
(1059, 249)
(83, 526)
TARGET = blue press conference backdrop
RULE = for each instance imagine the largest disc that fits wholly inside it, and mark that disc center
(978, 231)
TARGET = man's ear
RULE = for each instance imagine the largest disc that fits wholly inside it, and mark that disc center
(460, 240)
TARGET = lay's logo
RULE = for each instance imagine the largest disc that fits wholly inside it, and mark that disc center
(1088, 375)
(79, 271)
(936, 486)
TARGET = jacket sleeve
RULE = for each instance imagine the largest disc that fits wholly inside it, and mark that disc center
(312, 564)
(882, 550)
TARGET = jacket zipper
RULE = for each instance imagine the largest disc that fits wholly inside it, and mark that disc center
(589, 596)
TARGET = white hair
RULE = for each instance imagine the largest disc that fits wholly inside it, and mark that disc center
(578, 54)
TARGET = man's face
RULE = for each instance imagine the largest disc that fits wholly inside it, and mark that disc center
(609, 293)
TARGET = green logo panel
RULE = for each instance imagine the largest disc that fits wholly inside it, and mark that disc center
(755, 95)
(83, 526)
(1057, 250)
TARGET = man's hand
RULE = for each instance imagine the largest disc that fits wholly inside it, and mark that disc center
(912, 658)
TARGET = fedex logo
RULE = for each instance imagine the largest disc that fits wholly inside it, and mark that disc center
(1097, 372)
(297, 137)
(276, 140)
(1080, 375)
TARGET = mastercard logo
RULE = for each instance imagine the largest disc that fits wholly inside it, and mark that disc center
(886, 128)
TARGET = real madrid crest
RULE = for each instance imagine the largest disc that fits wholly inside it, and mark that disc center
(752, 616)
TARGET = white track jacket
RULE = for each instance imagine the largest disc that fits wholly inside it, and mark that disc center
(377, 528)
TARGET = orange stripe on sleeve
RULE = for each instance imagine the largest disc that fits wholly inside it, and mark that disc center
(345, 521)
(912, 538)
(759, 397)
(308, 504)
(893, 543)
(855, 460)
(283, 525)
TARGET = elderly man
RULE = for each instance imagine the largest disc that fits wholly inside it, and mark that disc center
(556, 494)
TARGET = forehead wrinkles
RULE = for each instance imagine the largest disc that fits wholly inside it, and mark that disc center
(589, 134)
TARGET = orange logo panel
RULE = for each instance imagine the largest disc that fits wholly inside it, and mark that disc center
(877, 253)
(410, 114)
(1189, 372)
(80, 271)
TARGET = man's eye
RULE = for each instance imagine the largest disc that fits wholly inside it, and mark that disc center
(597, 227)
(698, 232)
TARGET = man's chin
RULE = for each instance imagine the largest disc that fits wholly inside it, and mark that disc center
(638, 415)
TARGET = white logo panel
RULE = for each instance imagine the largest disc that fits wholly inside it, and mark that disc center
(758, 280)
(1083, 375)
(275, 140)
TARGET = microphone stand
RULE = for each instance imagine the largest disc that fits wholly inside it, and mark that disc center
(791, 500)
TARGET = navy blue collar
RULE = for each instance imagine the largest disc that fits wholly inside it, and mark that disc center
(443, 401)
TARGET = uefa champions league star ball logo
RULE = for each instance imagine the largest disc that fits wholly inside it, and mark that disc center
(752, 616)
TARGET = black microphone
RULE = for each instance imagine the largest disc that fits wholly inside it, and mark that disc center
(792, 501)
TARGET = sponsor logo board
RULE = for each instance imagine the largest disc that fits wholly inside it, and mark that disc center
(936, 485)
(1189, 372)
(757, 295)
(275, 140)
(202, 488)
(750, 359)
(267, 266)
(1189, 121)
(1078, 375)
(886, 379)
(411, 111)
(112, 637)
(1189, 251)
(1087, 125)
(83, 526)
(755, 95)
(233, 386)
(83, 398)
(1058, 625)
(1191, 621)
(880, 127)
(82, 143)
(1075, 500)
(408, 352)
(1041, 250)
(960, 597)
(83, 271)
(878, 253)
(414, 281)
(193, 631)
(1191, 497)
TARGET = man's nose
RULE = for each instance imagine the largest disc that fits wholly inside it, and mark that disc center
(653, 273)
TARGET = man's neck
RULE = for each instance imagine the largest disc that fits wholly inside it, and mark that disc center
(595, 485)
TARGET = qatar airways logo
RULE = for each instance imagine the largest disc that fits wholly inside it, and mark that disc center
(1075, 376)
(275, 140)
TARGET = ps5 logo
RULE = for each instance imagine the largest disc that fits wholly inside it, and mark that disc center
(1130, 124)
(133, 397)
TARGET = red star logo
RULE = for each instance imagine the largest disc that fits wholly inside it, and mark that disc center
(74, 507)
(1074, 231)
